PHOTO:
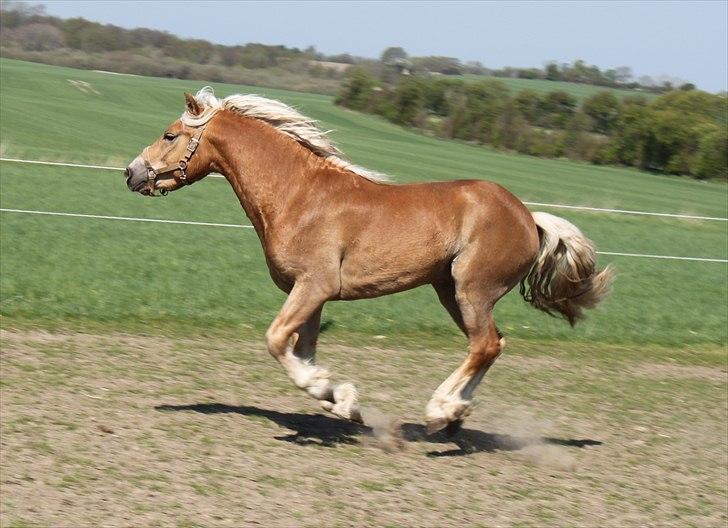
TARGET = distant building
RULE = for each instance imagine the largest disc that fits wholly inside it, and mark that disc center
(339, 67)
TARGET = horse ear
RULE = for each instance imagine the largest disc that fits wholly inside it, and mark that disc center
(193, 107)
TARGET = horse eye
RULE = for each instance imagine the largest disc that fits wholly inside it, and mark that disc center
(169, 136)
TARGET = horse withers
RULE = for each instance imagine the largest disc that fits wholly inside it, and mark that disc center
(332, 230)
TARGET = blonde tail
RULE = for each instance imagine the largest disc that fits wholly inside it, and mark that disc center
(564, 278)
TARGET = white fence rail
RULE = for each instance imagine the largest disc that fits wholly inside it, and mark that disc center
(244, 226)
(537, 204)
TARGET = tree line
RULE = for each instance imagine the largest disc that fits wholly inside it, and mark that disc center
(30, 28)
(681, 132)
(576, 72)
(28, 33)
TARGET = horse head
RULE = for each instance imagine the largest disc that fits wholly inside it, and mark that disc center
(177, 158)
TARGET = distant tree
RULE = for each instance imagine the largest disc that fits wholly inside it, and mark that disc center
(603, 108)
(712, 155)
(478, 115)
(681, 132)
(16, 13)
(687, 87)
(343, 58)
(36, 37)
(579, 71)
(629, 145)
(529, 73)
(409, 101)
(312, 53)
(441, 93)
(637, 100)
(708, 106)
(475, 67)
(557, 107)
(142, 37)
(437, 64)
(528, 104)
(98, 38)
(623, 74)
(357, 90)
(610, 77)
(198, 51)
(394, 63)
(576, 142)
(231, 55)
(390, 55)
(552, 72)
(72, 30)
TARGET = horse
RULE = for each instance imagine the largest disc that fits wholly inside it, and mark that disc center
(331, 230)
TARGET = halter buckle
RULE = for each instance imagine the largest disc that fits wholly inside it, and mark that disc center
(192, 145)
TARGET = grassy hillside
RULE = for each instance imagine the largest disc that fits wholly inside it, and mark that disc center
(578, 90)
(45, 117)
(70, 271)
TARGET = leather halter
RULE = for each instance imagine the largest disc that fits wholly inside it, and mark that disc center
(156, 170)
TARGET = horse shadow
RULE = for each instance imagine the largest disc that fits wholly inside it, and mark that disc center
(325, 431)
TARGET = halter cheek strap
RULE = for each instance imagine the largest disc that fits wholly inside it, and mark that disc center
(156, 170)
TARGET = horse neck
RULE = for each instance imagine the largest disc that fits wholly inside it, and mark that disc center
(265, 167)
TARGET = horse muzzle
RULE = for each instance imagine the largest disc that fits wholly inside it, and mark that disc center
(136, 176)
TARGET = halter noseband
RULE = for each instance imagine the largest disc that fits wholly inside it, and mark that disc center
(153, 172)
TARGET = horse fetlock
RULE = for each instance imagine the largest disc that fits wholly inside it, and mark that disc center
(314, 380)
(321, 389)
(345, 392)
(442, 411)
(345, 404)
(305, 376)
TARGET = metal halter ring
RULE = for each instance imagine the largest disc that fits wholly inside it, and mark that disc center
(183, 170)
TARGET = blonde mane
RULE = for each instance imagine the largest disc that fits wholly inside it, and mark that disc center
(281, 116)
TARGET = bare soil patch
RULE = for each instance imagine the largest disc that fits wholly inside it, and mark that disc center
(123, 430)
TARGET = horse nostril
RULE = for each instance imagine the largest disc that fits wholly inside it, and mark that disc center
(127, 173)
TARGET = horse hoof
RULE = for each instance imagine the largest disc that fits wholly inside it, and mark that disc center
(453, 428)
(355, 415)
(436, 425)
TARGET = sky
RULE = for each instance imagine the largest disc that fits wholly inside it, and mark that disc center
(681, 39)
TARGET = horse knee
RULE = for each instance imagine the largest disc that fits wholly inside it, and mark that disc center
(276, 341)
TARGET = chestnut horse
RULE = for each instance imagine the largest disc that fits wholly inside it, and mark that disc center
(333, 231)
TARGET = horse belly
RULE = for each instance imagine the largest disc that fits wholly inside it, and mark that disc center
(389, 266)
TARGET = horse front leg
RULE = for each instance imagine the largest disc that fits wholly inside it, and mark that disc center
(299, 322)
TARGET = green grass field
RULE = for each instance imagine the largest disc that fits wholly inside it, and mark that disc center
(578, 90)
(136, 390)
(69, 270)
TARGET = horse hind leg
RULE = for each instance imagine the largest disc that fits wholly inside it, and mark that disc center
(452, 400)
